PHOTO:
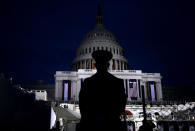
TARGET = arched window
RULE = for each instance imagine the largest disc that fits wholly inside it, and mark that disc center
(86, 51)
(102, 48)
(89, 49)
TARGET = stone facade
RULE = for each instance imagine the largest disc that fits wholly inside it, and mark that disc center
(76, 78)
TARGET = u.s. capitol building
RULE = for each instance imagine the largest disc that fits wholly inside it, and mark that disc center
(68, 83)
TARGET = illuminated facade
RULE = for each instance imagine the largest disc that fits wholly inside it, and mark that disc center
(68, 83)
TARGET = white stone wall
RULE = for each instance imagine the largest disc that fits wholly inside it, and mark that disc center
(76, 77)
(40, 95)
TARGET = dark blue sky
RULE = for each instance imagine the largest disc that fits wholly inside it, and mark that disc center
(41, 37)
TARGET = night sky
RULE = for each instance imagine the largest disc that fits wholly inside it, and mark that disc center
(39, 37)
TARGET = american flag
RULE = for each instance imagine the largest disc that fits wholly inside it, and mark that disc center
(133, 89)
(152, 92)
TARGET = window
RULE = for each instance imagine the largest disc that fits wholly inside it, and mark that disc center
(102, 48)
(93, 48)
(89, 49)
(86, 51)
(97, 48)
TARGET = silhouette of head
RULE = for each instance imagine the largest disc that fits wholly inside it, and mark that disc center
(102, 59)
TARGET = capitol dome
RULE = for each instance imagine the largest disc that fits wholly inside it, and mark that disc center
(99, 38)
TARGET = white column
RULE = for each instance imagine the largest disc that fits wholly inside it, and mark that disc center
(129, 98)
(124, 82)
(146, 91)
(73, 89)
(110, 66)
(123, 65)
(119, 67)
(78, 88)
(60, 85)
(119, 63)
(159, 90)
(56, 89)
(116, 65)
(137, 85)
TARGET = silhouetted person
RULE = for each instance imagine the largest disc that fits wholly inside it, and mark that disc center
(147, 126)
(102, 98)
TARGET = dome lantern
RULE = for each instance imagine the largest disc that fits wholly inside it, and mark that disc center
(99, 17)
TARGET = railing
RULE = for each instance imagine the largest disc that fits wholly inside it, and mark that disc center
(158, 112)
(65, 72)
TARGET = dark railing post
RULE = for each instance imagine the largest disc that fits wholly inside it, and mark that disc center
(143, 103)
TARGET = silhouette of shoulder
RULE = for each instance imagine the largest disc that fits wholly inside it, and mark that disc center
(104, 76)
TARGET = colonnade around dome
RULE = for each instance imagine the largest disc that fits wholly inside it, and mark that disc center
(90, 64)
